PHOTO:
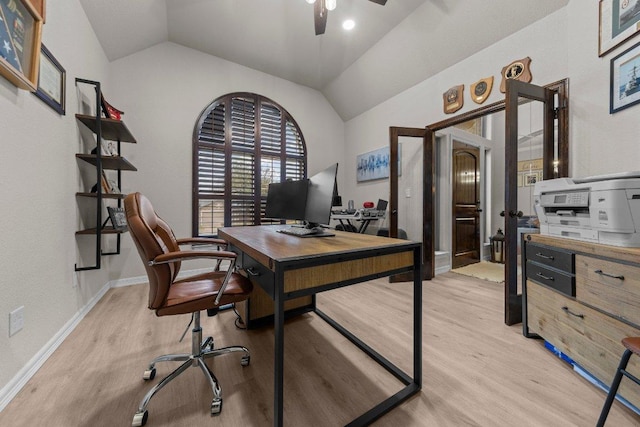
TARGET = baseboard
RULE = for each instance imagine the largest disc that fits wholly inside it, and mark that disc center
(442, 269)
(11, 389)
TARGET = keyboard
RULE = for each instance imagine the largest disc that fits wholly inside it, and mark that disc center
(299, 231)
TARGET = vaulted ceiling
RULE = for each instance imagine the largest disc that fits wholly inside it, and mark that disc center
(392, 47)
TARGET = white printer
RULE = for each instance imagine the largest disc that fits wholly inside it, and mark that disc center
(603, 209)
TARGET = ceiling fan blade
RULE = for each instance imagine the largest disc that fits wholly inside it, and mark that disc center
(320, 17)
(381, 2)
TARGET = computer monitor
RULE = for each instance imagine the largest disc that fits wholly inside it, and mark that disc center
(320, 197)
(287, 200)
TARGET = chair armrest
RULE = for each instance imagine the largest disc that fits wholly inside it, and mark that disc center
(189, 255)
(201, 241)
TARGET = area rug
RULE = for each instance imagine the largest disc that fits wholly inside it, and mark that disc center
(491, 271)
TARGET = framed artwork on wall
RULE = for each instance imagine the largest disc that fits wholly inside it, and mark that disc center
(619, 21)
(375, 164)
(530, 179)
(20, 35)
(625, 79)
(51, 81)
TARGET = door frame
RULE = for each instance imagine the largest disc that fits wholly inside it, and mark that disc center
(560, 87)
(428, 252)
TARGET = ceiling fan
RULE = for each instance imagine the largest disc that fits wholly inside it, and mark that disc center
(321, 9)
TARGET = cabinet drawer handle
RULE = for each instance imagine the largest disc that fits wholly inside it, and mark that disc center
(544, 277)
(251, 272)
(545, 256)
(566, 310)
(613, 276)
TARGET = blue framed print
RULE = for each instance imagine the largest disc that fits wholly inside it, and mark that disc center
(375, 164)
(625, 80)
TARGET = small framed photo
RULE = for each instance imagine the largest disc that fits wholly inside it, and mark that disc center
(109, 148)
(51, 81)
(117, 217)
(530, 179)
(619, 21)
(625, 79)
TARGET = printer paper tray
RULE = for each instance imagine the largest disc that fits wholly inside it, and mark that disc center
(573, 233)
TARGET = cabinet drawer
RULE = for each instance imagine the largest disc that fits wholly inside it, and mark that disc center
(556, 279)
(590, 338)
(552, 257)
(609, 286)
(256, 272)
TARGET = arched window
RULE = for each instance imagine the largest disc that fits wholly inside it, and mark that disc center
(242, 142)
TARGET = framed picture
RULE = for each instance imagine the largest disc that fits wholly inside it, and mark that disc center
(375, 164)
(109, 148)
(619, 21)
(20, 35)
(625, 79)
(529, 179)
(520, 178)
(51, 81)
(117, 217)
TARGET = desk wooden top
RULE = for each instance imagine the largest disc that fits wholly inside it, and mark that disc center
(266, 245)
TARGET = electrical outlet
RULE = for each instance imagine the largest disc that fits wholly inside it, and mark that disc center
(16, 320)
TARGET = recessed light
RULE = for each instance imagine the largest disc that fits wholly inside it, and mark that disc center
(349, 24)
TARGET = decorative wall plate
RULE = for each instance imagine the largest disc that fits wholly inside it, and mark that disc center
(453, 99)
(481, 90)
(517, 70)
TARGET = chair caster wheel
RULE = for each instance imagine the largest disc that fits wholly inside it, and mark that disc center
(140, 419)
(245, 360)
(149, 374)
(216, 407)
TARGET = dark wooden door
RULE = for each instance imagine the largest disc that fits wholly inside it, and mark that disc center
(466, 205)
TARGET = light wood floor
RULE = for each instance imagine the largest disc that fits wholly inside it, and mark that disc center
(476, 370)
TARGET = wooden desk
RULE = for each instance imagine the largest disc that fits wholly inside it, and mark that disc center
(288, 267)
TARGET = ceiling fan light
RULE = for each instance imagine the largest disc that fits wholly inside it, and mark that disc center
(330, 4)
(310, 1)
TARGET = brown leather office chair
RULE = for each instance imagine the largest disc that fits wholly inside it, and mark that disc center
(632, 346)
(168, 295)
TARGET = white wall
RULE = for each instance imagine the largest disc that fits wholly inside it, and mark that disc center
(545, 42)
(163, 90)
(600, 142)
(38, 181)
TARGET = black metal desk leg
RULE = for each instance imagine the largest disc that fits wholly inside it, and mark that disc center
(278, 380)
(417, 317)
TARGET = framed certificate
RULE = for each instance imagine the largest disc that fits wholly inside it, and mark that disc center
(51, 81)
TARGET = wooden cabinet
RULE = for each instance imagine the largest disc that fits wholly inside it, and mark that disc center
(105, 188)
(584, 298)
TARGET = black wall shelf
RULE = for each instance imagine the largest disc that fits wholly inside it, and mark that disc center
(112, 130)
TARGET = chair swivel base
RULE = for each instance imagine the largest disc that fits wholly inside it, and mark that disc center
(200, 352)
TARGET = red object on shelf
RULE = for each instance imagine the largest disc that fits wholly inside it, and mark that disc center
(367, 205)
